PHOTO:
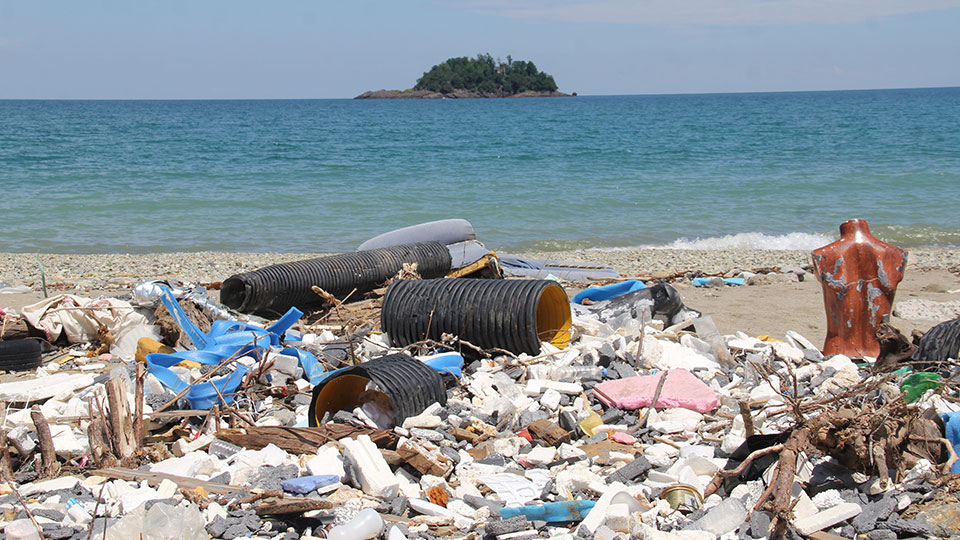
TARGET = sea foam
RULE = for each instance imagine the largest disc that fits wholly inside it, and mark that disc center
(753, 240)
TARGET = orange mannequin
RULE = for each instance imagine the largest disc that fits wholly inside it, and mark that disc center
(859, 275)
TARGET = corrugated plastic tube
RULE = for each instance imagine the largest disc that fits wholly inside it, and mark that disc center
(515, 315)
(277, 288)
(411, 386)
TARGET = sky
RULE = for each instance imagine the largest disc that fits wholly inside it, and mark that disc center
(222, 49)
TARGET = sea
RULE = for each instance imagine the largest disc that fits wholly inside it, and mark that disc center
(705, 171)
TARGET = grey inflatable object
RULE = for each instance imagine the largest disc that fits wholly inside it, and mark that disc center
(514, 266)
(662, 301)
(445, 231)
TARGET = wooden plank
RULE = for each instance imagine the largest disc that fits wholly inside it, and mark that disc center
(287, 505)
(165, 415)
(549, 432)
(154, 479)
(302, 440)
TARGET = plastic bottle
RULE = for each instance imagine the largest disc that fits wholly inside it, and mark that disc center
(77, 512)
(166, 522)
(722, 518)
(566, 373)
(367, 524)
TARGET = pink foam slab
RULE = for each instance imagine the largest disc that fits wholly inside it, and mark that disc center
(681, 389)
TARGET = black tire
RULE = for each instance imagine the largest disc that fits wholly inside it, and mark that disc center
(20, 355)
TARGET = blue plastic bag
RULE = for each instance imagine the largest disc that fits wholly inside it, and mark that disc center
(952, 424)
(607, 292)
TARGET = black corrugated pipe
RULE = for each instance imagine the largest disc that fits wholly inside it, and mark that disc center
(515, 315)
(410, 385)
(939, 344)
(277, 288)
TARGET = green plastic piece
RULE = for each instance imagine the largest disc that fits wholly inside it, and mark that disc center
(917, 383)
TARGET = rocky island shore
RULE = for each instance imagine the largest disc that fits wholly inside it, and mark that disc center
(411, 93)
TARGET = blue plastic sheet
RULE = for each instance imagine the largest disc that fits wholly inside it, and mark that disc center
(952, 423)
(226, 339)
(607, 292)
(701, 282)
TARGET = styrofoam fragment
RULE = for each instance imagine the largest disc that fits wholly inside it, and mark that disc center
(550, 400)
(512, 489)
(826, 518)
(371, 469)
(424, 421)
(65, 482)
(804, 507)
(183, 446)
(67, 443)
(618, 517)
(167, 488)
(596, 516)
(541, 455)
(535, 387)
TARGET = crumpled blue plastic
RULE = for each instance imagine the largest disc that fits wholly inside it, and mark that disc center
(448, 362)
(952, 423)
(226, 339)
(607, 292)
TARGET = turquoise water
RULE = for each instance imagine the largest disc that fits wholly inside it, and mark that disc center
(778, 170)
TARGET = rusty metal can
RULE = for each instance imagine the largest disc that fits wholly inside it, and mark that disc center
(682, 497)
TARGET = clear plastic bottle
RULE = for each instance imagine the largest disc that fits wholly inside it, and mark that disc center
(367, 524)
(565, 373)
(722, 518)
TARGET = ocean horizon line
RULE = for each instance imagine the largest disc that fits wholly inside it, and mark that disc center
(650, 94)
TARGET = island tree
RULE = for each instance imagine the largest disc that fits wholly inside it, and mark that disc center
(485, 75)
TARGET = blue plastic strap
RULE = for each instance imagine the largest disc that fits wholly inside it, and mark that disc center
(226, 339)
(312, 369)
(198, 338)
(200, 395)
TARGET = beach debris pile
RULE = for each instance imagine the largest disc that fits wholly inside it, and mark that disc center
(631, 417)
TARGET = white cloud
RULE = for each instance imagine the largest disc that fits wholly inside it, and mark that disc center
(704, 12)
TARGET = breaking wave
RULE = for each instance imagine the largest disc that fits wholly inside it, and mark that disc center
(753, 240)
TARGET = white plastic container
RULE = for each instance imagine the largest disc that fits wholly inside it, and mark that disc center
(366, 525)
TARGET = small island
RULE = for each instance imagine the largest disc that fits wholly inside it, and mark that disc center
(480, 77)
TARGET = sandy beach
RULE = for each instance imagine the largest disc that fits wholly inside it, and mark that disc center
(780, 304)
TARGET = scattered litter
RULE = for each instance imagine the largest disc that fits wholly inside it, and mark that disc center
(407, 405)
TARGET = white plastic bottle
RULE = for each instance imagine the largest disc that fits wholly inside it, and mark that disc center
(366, 525)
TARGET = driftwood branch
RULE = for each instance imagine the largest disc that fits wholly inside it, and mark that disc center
(121, 422)
(718, 478)
(48, 454)
(138, 409)
(787, 468)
